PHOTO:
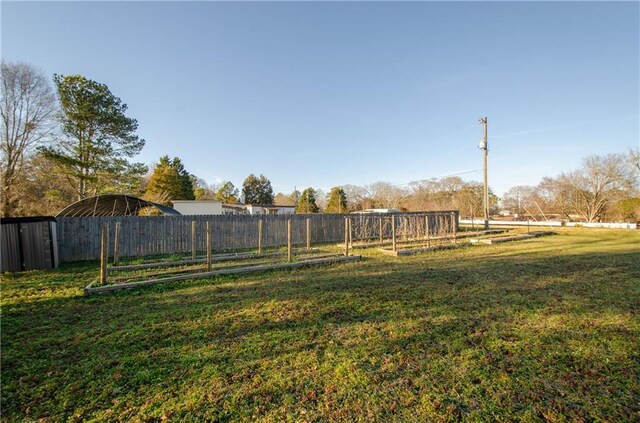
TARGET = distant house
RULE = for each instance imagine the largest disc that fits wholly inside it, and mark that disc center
(257, 209)
(198, 207)
(269, 209)
(233, 209)
(372, 211)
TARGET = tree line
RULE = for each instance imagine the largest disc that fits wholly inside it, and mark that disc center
(71, 139)
(604, 188)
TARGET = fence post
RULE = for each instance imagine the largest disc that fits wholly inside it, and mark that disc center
(289, 240)
(208, 247)
(426, 226)
(428, 233)
(528, 227)
(455, 227)
(193, 240)
(116, 246)
(308, 233)
(350, 232)
(346, 237)
(393, 232)
(381, 234)
(260, 236)
(104, 253)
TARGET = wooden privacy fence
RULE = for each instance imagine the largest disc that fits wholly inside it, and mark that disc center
(137, 236)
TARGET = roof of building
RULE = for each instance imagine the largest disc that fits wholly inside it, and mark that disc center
(26, 219)
(196, 201)
(112, 205)
(270, 205)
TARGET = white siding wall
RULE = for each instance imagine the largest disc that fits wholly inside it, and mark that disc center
(198, 207)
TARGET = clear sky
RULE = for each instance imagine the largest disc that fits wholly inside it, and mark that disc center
(328, 93)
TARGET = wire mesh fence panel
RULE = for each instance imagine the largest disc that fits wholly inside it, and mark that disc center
(408, 226)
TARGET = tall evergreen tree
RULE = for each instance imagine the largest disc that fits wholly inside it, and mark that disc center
(169, 181)
(307, 202)
(337, 201)
(257, 190)
(99, 137)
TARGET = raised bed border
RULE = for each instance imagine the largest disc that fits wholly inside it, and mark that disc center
(473, 241)
(459, 235)
(489, 241)
(214, 258)
(93, 290)
(411, 251)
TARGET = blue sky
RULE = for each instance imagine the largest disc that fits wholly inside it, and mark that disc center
(328, 93)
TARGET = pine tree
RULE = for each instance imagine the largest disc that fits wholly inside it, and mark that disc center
(99, 137)
(257, 190)
(307, 202)
(169, 181)
(337, 201)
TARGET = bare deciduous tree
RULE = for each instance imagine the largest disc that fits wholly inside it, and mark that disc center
(518, 198)
(27, 108)
(358, 198)
(634, 159)
(387, 195)
(589, 190)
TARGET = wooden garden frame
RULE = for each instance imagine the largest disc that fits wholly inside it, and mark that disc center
(101, 285)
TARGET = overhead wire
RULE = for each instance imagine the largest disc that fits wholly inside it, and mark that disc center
(448, 153)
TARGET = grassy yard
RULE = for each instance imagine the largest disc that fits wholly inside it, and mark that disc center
(533, 330)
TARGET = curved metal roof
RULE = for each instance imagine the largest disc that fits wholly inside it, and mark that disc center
(112, 205)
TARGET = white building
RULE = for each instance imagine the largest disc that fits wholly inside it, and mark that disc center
(373, 211)
(269, 209)
(214, 207)
(198, 207)
(233, 209)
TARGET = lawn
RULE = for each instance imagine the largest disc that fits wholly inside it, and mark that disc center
(542, 329)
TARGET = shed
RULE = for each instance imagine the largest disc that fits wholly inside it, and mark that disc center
(28, 243)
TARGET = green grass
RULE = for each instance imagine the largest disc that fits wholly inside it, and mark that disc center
(530, 330)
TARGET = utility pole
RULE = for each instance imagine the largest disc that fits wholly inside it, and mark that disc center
(484, 147)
